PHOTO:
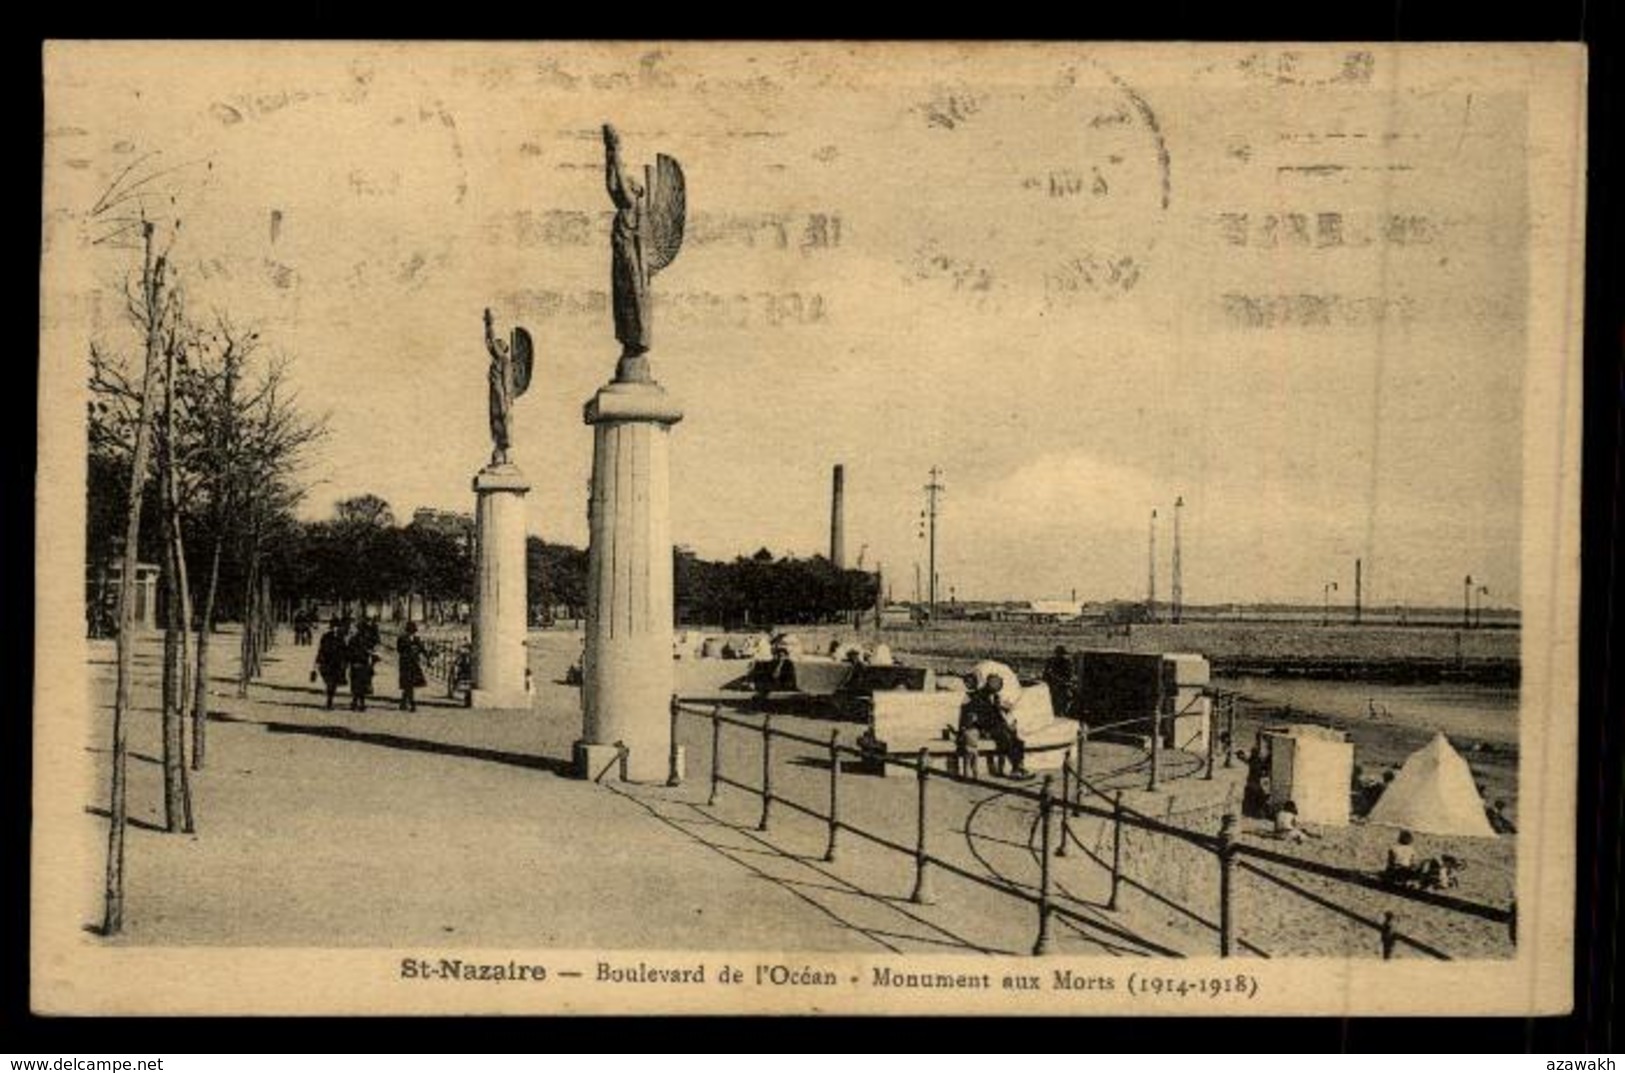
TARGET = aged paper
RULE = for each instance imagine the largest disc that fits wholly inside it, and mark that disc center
(1328, 296)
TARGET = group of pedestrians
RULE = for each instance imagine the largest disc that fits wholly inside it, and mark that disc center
(349, 654)
(305, 620)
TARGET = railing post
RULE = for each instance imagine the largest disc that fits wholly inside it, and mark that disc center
(767, 770)
(1230, 731)
(1045, 806)
(1078, 786)
(1388, 936)
(1156, 746)
(675, 777)
(1227, 862)
(1211, 734)
(1156, 732)
(922, 875)
(716, 752)
(834, 793)
(1117, 847)
(1066, 802)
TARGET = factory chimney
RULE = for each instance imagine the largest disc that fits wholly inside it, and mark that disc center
(1357, 593)
(837, 520)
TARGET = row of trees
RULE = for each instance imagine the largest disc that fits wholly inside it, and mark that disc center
(194, 448)
(362, 556)
(760, 590)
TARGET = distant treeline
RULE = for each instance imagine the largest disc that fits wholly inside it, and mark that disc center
(362, 558)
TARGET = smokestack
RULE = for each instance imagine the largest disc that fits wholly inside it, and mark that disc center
(1356, 592)
(837, 520)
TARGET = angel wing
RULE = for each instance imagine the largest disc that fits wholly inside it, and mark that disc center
(520, 354)
(668, 206)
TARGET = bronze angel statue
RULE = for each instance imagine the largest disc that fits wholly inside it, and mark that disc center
(647, 234)
(509, 376)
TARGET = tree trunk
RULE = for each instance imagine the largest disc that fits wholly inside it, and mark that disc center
(118, 804)
(176, 791)
(246, 665)
(205, 626)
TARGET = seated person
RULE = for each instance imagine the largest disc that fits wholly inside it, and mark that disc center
(1286, 824)
(1500, 822)
(988, 712)
(1439, 873)
(462, 671)
(1401, 866)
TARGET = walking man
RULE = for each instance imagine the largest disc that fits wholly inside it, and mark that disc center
(331, 659)
(409, 654)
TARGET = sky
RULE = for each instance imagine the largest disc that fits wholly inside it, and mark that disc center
(1287, 285)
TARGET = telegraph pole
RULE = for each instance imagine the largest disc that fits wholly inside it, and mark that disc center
(1177, 596)
(932, 491)
(1151, 584)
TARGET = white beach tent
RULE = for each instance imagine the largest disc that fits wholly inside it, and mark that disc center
(1434, 792)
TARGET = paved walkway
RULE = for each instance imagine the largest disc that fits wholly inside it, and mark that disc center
(462, 826)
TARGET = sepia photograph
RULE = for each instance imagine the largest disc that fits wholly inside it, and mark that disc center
(808, 528)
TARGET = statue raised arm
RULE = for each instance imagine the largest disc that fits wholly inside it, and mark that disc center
(645, 238)
(509, 376)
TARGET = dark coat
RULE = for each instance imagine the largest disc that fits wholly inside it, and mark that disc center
(361, 660)
(332, 657)
(409, 651)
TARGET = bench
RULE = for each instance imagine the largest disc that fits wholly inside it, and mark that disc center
(902, 722)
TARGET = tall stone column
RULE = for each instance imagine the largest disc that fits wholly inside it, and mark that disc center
(627, 667)
(499, 588)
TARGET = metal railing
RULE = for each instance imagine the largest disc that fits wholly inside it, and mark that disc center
(1230, 855)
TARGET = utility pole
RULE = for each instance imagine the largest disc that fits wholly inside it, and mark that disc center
(932, 491)
(1467, 602)
(1177, 596)
(1151, 584)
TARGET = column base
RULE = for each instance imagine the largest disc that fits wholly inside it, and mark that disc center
(502, 699)
(597, 762)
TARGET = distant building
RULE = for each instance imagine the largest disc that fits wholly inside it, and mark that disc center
(1046, 611)
(107, 593)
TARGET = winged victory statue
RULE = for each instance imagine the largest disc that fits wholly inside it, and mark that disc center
(645, 238)
(509, 376)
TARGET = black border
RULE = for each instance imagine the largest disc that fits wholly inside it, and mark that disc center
(1589, 1028)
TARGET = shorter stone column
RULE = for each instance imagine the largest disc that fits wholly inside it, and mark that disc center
(500, 598)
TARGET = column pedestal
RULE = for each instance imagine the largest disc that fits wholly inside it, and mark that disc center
(627, 675)
(500, 596)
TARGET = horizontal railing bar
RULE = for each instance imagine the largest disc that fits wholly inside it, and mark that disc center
(1344, 911)
(1369, 882)
(1129, 817)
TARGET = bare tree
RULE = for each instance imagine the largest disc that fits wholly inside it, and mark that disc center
(156, 300)
(176, 695)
